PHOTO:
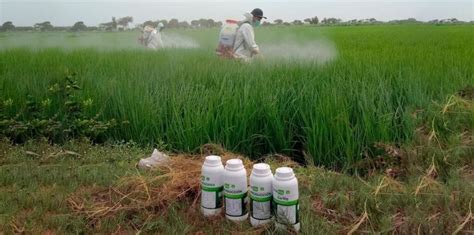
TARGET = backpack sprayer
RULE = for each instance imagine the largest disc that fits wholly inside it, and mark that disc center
(227, 35)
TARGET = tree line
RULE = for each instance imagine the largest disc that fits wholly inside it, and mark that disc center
(123, 23)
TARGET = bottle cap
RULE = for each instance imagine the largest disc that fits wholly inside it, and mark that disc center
(284, 173)
(234, 164)
(213, 160)
(261, 169)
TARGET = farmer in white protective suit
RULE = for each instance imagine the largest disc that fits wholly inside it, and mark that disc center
(245, 46)
(151, 37)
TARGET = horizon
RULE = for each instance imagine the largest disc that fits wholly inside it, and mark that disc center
(94, 12)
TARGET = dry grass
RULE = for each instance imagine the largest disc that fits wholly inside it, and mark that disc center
(154, 192)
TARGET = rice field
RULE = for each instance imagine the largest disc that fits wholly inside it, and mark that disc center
(379, 119)
(324, 94)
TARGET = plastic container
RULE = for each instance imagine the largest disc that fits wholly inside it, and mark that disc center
(228, 32)
(225, 46)
(261, 181)
(285, 198)
(235, 190)
(212, 185)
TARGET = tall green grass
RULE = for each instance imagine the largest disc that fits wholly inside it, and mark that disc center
(184, 98)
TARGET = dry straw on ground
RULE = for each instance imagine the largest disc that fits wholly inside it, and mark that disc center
(155, 191)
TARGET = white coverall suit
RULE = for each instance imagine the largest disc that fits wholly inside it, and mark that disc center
(152, 38)
(245, 45)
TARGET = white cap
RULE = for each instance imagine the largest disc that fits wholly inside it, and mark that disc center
(234, 164)
(284, 173)
(213, 160)
(261, 169)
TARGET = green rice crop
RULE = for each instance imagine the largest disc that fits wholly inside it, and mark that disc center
(331, 112)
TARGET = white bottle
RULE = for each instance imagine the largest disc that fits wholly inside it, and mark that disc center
(285, 198)
(261, 194)
(235, 190)
(212, 185)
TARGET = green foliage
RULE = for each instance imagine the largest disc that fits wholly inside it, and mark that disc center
(67, 119)
(7, 26)
(79, 26)
(331, 113)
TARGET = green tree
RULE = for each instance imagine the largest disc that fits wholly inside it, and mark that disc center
(109, 26)
(79, 26)
(174, 23)
(331, 21)
(297, 22)
(44, 26)
(7, 26)
(210, 23)
(203, 23)
(195, 23)
(151, 23)
(313, 20)
(124, 21)
(183, 24)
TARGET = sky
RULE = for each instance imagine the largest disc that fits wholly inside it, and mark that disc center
(93, 12)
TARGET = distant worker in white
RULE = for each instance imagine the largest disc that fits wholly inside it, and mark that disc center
(151, 37)
(245, 46)
(237, 39)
